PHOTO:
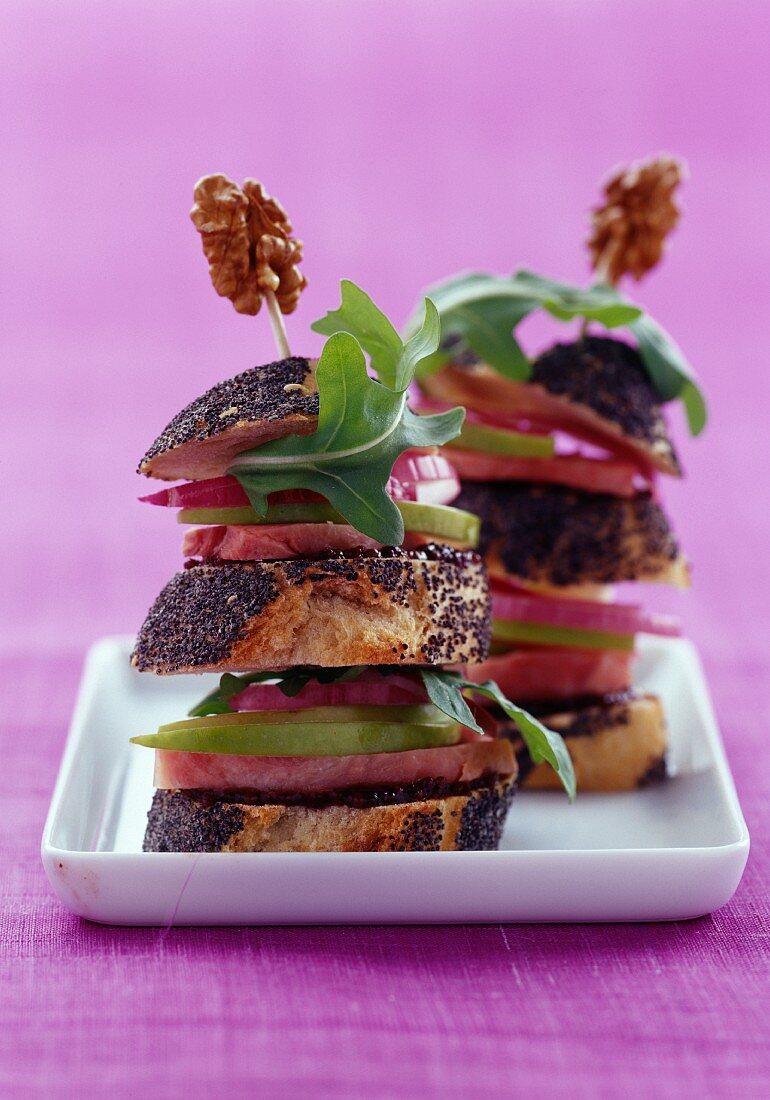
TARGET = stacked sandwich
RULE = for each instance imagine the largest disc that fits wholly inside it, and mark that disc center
(559, 458)
(327, 582)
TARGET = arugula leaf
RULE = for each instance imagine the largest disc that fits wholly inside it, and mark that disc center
(445, 689)
(479, 312)
(695, 407)
(445, 692)
(488, 330)
(543, 744)
(363, 427)
(670, 372)
(392, 361)
(212, 704)
(421, 346)
(565, 302)
(359, 316)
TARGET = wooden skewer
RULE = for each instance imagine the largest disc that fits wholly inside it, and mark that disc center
(276, 323)
(602, 267)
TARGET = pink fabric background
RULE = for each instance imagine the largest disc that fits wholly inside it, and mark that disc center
(407, 140)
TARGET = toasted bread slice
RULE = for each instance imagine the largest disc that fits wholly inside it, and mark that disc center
(596, 389)
(193, 821)
(616, 745)
(256, 406)
(427, 606)
(564, 537)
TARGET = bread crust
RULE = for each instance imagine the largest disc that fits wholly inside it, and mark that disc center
(428, 606)
(608, 377)
(187, 821)
(565, 537)
(615, 746)
(254, 407)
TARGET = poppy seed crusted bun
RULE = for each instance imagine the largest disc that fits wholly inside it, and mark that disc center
(468, 819)
(390, 606)
(552, 535)
(617, 744)
(260, 404)
(608, 376)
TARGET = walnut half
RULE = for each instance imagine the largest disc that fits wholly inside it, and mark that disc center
(629, 229)
(246, 237)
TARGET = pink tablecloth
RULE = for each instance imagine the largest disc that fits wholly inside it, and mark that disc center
(580, 1011)
(407, 141)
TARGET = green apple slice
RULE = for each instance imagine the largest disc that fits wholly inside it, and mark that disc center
(539, 634)
(310, 512)
(500, 441)
(437, 520)
(440, 520)
(317, 731)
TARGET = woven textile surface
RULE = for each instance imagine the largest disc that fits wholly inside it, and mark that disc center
(407, 141)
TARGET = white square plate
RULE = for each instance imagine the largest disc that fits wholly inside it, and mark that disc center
(669, 852)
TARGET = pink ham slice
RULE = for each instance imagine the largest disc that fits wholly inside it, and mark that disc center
(595, 475)
(272, 541)
(484, 391)
(527, 674)
(280, 775)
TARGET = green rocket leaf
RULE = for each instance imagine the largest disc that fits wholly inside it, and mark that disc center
(565, 302)
(445, 690)
(480, 313)
(363, 427)
(670, 372)
(393, 361)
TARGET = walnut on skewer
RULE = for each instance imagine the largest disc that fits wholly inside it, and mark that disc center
(247, 239)
(629, 229)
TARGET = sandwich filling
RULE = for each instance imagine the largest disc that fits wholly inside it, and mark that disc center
(562, 470)
(322, 531)
(305, 734)
(319, 733)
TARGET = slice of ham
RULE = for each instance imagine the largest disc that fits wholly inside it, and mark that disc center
(278, 541)
(487, 392)
(281, 776)
(541, 673)
(596, 475)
